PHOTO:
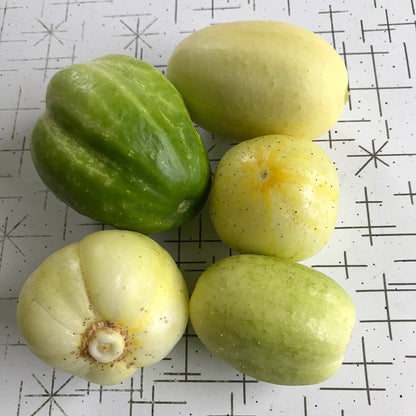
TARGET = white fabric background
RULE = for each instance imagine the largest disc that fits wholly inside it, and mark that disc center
(371, 253)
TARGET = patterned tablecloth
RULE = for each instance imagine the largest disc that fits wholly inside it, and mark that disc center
(371, 253)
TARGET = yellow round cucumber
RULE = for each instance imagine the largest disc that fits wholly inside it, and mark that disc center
(275, 195)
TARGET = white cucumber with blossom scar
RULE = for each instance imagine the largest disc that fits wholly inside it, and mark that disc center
(105, 306)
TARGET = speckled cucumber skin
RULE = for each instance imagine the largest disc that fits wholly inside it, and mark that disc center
(274, 320)
(116, 143)
(251, 78)
(117, 278)
(275, 195)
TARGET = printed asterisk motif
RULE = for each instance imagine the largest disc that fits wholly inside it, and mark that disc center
(138, 34)
(50, 32)
(50, 36)
(52, 394)
(376, 156)
(372, 155)
(7, 234)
